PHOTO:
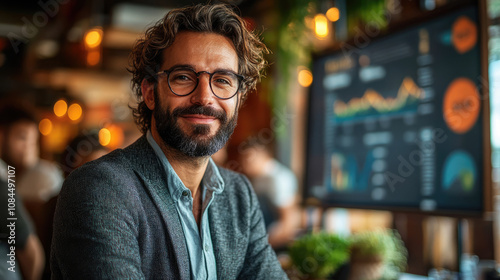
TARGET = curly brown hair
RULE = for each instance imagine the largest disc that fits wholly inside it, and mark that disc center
(146, 56)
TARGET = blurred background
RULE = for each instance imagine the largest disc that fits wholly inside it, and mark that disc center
(373, 114)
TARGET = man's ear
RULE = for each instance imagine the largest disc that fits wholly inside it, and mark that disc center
(239, 99)
(148, 93)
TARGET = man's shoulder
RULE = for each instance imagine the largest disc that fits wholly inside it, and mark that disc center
(236, 185)
(115, 166)
(111, 162)
(103, 175)
(112, 175)
(232, 178)
(230, 175)
(116, 160)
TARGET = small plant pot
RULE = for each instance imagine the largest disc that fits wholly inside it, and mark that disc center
(365, 268)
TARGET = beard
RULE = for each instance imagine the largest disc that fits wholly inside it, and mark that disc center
(197, 143)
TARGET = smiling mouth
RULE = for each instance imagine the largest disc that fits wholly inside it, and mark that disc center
(199, 119)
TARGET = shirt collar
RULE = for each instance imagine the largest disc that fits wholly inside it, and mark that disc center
(212, 179)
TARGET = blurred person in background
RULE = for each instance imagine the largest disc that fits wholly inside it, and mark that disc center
(160, 208)
(29, 254)
(276, 188)
(80, 150)
(37, 179)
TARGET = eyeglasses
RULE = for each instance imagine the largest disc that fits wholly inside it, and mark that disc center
(183, 81)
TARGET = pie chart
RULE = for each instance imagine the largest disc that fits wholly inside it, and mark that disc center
(459, 173)
(461, 105)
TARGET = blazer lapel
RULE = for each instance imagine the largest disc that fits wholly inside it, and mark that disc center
(227, 242)
(146, 165)
(219, 240)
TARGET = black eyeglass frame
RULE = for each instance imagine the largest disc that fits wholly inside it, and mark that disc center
(241, 78)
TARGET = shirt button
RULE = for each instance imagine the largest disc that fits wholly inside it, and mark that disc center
(206, 247)
(185, 193)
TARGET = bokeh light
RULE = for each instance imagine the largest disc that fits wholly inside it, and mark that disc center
(333, 14)
(104, 136)
(60, 108)
(93, 57)
(305, 77)
(45, 127)
(75, 111)
(321, 25)
(93, 38)
(117, 136)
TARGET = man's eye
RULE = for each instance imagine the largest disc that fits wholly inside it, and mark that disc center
(223, 81)
(181, 77)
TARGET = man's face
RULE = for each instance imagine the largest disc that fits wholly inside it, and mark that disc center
(198, 124)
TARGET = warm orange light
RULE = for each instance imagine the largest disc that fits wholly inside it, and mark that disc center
(59, 137)
(333, 14)
(111, 136)
(75, 111)
(104, 136)
(60, 108)
(116, 136)
(93, 38)
(45, 127)
(309, 22)
(321, 26)
(305, 77)
(93, 57)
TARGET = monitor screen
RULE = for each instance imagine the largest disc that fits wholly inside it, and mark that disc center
(397, 122)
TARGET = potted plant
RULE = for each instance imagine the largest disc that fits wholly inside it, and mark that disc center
(378, 254)
(318, 255)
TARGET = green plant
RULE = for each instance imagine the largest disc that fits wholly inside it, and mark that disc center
(319, 255)
(384, 245)
(291, 46)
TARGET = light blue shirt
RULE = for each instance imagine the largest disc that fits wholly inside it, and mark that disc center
(199, 244)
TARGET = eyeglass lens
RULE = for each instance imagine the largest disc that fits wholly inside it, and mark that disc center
(184, 81)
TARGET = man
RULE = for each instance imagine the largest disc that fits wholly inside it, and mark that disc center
(160, 208)
(27, 261)
(38, 180)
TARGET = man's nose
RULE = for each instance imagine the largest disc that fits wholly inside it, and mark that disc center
(203, 93)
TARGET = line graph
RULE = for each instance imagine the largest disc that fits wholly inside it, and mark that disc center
(372, 103)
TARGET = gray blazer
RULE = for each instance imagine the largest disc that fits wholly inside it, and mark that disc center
(115, 219)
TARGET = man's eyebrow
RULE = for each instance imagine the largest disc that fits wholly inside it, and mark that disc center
(192, 67)
(188, 66)
(226, 70)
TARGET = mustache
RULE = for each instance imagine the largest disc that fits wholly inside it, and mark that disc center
(200, 110)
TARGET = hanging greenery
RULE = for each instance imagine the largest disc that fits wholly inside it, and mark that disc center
(363, 13)
(291, 44)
